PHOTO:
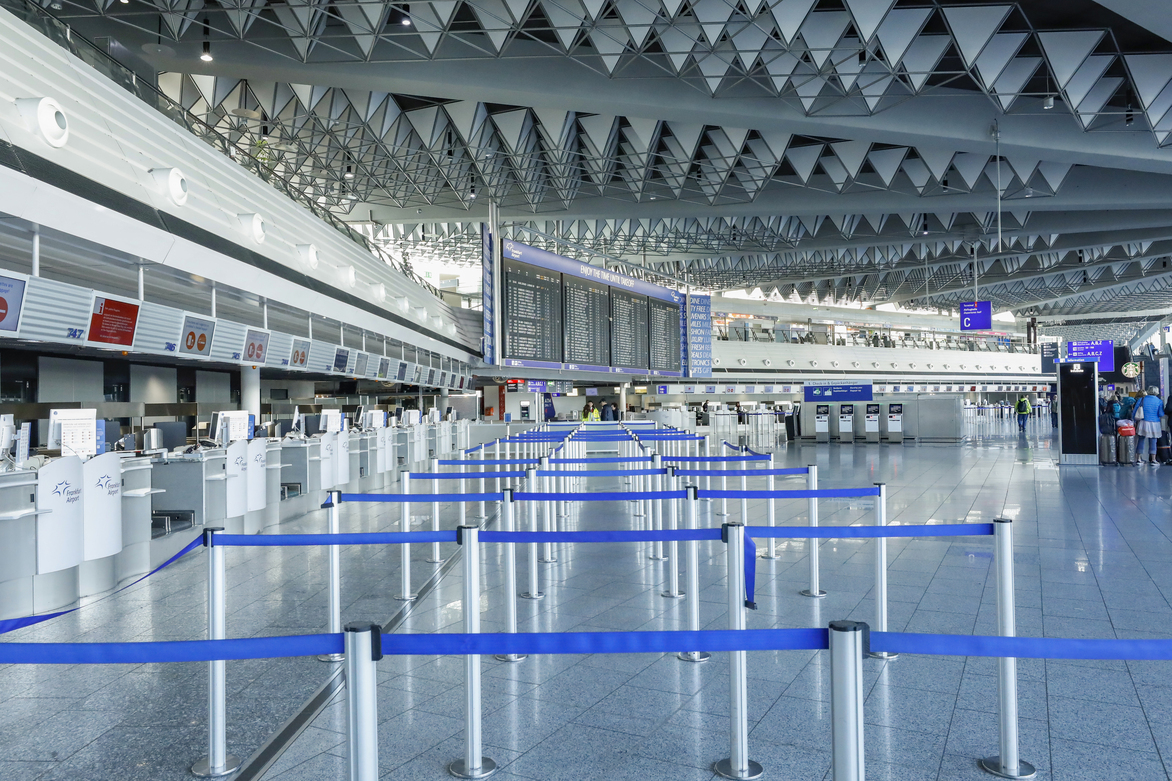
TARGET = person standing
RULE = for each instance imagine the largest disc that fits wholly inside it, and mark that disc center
(1023, 412)
(607, 412)
(1149, 413)
(589, 413)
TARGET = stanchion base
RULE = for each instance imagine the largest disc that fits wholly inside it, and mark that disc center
(460, 770)
(538, 595)
(808, 593)
(549, 561)
(883, 655)
(406, 597)
(657, 558)
(331, 657)
(434, 561)
(992, 766)
(509, 657)
(204, 770)
(669, 595)
(694, 656)
(724, 769)
(767, 556)
(721, 515)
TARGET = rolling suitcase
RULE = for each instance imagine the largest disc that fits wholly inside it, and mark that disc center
(1164, 449)
(1126, 449)
(1106, 449)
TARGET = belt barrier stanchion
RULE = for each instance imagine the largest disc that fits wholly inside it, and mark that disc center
(335, 554)
(508, 481)
(474, 764)
(363, 649)
(655, 483)
(547, 555)
(531, 508)
(673, 555)
(218, 762)
(507, 509)
(848, 644)
(744, 487)
(461, 506)
(405, 594)
(771, 514)
(723, 487)
(435, 522)
(693, 556)
(641, 504)
(812, 484)
(707, 454)
(738, 765)
(1008, 764)
(881, 569)
(483, 511)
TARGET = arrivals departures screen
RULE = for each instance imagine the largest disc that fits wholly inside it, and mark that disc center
(587, 322)
(533, 313)
(630, 348)
(663, 325)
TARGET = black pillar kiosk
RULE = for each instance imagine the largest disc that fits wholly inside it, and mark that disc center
(1078, 412)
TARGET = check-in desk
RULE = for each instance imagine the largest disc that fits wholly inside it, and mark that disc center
(18, 542)
(273, 467)
(138, 496)
(301, 467)
(197, 482)
(845, 420)
(357, 463)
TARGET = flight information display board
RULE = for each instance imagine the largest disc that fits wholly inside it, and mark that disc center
(630, 347)
(587, 322)
(533, 313)
(663, 328)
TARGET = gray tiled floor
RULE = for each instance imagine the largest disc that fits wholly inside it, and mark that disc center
(1092, 552)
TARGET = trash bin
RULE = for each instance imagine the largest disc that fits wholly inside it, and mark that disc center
(1106, 449)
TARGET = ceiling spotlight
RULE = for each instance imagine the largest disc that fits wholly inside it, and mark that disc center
(1048, 102)
(1029, 192)
(406, 21)
(56, 5)
(207, 52)
(349, 172)
(472, 193)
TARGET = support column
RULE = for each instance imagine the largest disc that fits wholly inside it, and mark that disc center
(250, 390)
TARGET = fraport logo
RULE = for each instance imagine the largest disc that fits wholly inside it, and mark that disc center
(61, 488)
(240, 462)
(109, 485)
(103, 482)
(259, 459)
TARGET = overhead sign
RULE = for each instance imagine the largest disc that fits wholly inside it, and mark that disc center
(197, 336)
(341, 356)
(976, 315)
(1101, 351)
(256, 344)
(113, 322)
(827, 390)
(300, 357)
(11, 298)
(1049, 354)
(698, 336)
(487, 291)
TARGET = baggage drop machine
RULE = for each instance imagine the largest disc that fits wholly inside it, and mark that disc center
(846, 424)
(895, 424)
(871, 423)
(822, 423)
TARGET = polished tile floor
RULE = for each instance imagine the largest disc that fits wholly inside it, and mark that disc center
(1093, 547)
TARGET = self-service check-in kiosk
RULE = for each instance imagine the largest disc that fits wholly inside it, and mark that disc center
(871, 423)
(846, 423)
(895, 423)
(822, 423)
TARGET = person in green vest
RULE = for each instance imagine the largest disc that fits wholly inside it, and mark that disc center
(589, 413)
(1023, 409)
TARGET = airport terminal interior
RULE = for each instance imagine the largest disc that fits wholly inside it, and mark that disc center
(553, 390)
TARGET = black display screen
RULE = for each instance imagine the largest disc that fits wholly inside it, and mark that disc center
(629, 348)
(401, 375)
(587, 322)
(663, 323)
(533, 313)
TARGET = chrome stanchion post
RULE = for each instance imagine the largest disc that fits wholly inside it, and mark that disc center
(738, 765)
(707, 464)
(848, 644)
(435, 522)
(655, 483)
(673, 555)
(812, 485)
(771, 514)
(547, 556)
(335, 589)
(363, 650)
(507, 508)
(693, 555)
(1008, 764)
(218, 762)
(881, 569)
(405, 594)
(744, 487)
(531, 508)
(483, 511)
(474, 764)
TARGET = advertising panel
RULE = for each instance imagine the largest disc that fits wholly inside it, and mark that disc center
(113, 322)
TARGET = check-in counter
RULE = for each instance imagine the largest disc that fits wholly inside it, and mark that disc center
(273, 468)
(256, 485)
(193, 481)
(301, 471)
(357, 460)
(138, 496)
(18, 542)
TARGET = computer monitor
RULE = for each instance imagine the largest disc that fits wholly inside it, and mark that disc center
(174, 433)
(215, 428)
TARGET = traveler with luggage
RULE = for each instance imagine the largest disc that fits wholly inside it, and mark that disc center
(1149, 415)
(1023, 412)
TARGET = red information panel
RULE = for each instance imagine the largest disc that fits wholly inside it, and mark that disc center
(113, 322)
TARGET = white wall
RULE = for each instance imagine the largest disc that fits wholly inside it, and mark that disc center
(153, 384)
(298, 389)
(68, 379)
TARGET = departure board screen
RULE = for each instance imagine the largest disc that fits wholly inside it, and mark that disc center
(663, 323)
(587, 322)
(629, 347)
(533, 313)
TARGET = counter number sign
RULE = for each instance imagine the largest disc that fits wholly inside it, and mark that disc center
(300, 357)
(197, 336)
(256, 344)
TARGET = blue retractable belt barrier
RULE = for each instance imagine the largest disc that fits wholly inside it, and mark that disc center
(716, 459)
(604, 496)
(356, 538)
(12, 624)
(473, 449)
(750, 572)
(599, 472)
(666, 535)
(602, 460)
(843, 532)
(740, 472)
(1020, 647)
(400, 498)
(488, 461)
(794, 493)
(463, 475)
(173, 651)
